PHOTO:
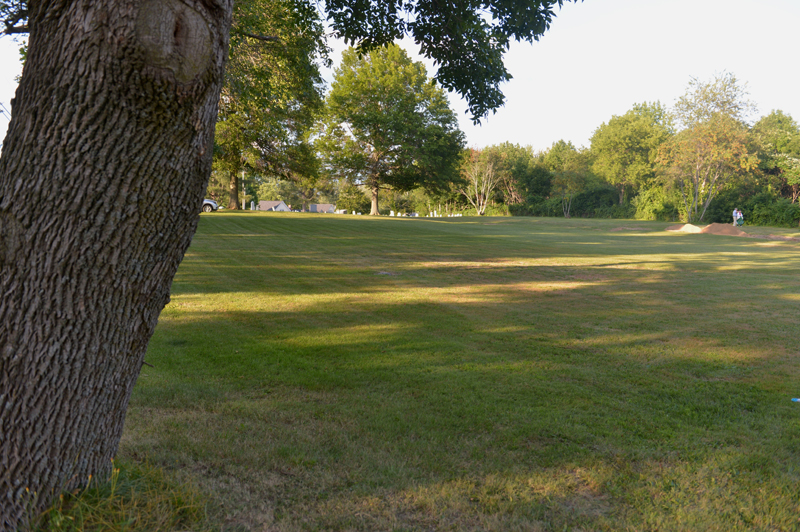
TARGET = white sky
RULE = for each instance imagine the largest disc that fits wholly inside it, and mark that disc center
(602, 56)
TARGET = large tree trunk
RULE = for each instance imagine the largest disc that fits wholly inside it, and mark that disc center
(374, 210)
(102, 174)
(233, 188)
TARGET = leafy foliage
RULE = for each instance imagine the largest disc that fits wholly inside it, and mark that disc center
(465, 38)
(723, 95)
(713, 149)
(352, 199)
(518, 171)
(570, 169)
(626, 148)
(388, 126)
(779, 138)
(272, 92)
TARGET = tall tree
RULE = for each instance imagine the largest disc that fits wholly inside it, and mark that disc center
(713, 148)
(388, 126)
(625, 149)
(112, 129)
(272, 92)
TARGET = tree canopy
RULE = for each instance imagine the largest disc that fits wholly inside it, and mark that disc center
(724, 95)
(713, 148)
(480, 178)
(779, 137)
(570, 170)
(387, 125)
(626, 148)
(465, 38)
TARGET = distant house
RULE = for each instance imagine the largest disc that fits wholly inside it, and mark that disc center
(278, 206)
(322, 207)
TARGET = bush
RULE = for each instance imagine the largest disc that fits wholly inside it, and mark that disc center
(538, 206)
(765, 208)
(597, 202)
(655, 203)
(779, 212)
(735, 197)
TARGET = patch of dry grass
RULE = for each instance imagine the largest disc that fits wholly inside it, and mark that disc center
(137, 498)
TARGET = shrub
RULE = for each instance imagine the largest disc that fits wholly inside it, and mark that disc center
(656, 203)
(779, 212)
(597, 202)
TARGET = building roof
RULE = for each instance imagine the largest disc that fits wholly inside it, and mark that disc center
(265, 205)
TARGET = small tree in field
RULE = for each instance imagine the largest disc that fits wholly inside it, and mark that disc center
(387, 126)
(480, 180)
(570, 170)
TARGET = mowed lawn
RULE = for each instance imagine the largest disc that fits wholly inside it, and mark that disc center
(321, 372)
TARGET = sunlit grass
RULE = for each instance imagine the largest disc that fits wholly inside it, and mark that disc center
(350, 373)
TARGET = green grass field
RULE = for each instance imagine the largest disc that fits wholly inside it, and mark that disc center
(321, 372)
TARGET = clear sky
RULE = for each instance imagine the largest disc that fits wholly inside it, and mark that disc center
(602, 56)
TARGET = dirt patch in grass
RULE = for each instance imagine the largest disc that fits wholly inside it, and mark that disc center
(684, 228)
(722, 229)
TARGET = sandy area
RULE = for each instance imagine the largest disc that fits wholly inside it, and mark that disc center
(684, 228)
(726, 230)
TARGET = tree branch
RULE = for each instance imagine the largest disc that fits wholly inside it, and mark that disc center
(266, 38)
(16, 29)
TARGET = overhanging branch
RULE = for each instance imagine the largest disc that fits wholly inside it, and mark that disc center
(16, 29)
(265, 38)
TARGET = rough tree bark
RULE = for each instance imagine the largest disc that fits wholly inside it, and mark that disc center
(111, 138)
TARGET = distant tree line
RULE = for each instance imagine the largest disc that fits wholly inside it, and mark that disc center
(385, 130)
(693, 163)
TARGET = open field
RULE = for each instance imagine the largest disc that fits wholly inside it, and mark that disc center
(349, 373)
